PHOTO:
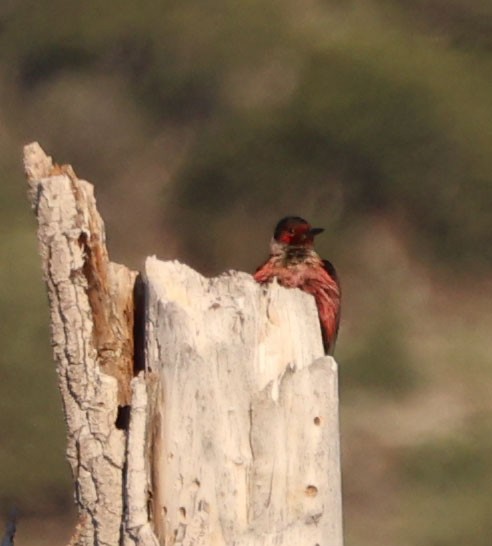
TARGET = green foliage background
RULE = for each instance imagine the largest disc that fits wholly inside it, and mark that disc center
(203, 122)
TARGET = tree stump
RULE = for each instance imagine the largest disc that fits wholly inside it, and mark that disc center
(233, 436)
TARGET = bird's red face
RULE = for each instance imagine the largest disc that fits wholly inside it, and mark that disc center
(294, 231)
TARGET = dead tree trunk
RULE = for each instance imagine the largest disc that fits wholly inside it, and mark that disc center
(233, 432)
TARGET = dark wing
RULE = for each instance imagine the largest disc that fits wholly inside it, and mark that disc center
(330, 269)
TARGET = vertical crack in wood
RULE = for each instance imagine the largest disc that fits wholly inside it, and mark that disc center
(139, 299)
(112, 308)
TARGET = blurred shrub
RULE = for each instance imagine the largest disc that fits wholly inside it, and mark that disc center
(30, 417)
(339, 111)
(361, 106)
(35, 475)
(450, 483)
(463, 23)
(380, 359)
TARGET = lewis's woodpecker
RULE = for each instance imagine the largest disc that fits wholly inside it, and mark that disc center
(295, 264)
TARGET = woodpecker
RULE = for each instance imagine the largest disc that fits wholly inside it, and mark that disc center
(295, 264)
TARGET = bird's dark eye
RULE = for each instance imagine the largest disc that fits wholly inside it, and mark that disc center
(291, 231)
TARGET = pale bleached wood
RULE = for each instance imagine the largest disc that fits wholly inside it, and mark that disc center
(137, 492)
(91, 311)
(246, 441)
(233, 433)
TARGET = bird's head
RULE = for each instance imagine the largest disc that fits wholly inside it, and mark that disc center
(295, 231)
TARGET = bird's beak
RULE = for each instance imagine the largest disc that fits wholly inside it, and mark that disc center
(316, 231)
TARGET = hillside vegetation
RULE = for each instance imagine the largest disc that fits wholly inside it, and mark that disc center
(203, 122)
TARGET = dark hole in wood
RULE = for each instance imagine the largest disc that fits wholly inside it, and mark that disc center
(139, 299)
(123, 417)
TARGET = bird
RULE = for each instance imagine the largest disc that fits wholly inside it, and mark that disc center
(295, 264)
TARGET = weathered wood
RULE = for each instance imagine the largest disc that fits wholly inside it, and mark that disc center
(91, 313)
(138, 467)
(246, 448)
(233, 429)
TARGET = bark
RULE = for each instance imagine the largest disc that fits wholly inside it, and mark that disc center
(233, 426)
(91, 314)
